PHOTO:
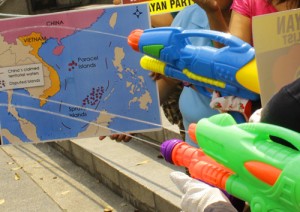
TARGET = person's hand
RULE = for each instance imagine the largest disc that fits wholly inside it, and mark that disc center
(255, 117)
(117, 2)
(208, 5)
(155, 76)
(197, 196)
(119, 137)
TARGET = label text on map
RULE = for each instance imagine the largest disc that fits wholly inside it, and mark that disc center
(77, 112)
(54, 23)
(22, 76)
(87, 62)
(34, 39)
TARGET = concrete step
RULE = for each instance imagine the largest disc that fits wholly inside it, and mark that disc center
(133, 170)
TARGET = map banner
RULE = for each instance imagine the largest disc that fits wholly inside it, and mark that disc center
(72, 75)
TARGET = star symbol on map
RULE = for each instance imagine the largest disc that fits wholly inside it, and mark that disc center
(137, 13)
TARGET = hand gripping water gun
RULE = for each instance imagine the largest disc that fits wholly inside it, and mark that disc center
(250, 165)
(231, 70)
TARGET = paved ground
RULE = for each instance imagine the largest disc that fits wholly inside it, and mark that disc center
(88, 175)
(39, 178)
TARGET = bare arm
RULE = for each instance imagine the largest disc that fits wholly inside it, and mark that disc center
(240, 26)
(161, 20)
(218, 23)
(222, 19)
(218, 14)
(166, 86)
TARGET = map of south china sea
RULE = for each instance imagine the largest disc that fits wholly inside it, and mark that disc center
(73, 75)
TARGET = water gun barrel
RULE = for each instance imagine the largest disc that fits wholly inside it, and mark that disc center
(200, 166)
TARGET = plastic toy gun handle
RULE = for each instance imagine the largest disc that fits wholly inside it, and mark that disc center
(200, 166)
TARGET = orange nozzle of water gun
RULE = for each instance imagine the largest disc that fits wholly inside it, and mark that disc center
(192, 132)
(134, 38)
(200, 166)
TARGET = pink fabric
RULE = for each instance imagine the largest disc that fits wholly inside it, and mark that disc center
(252, 8)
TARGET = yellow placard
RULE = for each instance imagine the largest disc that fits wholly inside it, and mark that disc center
(162, 6)
(276, 39)
(166, 6)
(284, 28)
